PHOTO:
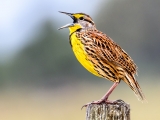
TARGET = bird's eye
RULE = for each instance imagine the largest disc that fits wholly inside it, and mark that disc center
(81, 18)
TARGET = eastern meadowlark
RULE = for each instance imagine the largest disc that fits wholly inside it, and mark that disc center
(100, 55)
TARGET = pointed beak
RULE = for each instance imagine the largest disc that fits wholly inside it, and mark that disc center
(69, 14)
(66, 26)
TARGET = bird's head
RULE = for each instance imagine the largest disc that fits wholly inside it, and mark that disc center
(82, 18)
(72, 27)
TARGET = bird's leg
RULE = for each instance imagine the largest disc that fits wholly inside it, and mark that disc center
(105, 97)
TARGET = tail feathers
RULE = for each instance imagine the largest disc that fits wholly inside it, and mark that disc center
(131, 81)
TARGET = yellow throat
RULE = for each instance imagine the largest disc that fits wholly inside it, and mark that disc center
(79, 50)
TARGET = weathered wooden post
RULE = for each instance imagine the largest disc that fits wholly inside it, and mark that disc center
(108, 111)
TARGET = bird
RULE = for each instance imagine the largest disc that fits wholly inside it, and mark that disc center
(100, 55)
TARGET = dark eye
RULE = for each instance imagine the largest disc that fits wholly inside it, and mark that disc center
(81, 18)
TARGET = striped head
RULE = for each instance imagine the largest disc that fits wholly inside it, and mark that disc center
(82, 18)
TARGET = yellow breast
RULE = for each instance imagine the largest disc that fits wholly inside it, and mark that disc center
(81, 55)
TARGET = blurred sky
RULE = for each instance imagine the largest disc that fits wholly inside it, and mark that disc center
(20, 18)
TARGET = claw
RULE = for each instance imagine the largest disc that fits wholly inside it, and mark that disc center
(102, 101)
(84, 106)
(94, 102)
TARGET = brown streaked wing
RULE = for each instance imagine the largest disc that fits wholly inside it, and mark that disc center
(107, 49)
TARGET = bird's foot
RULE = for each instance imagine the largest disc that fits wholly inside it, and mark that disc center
(101, 101)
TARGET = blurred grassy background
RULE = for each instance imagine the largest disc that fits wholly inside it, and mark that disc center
(40, 77)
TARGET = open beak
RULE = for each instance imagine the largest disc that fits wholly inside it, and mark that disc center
(69, 14)
(66, 26)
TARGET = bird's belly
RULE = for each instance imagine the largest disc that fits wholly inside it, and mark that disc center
(81, 55)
